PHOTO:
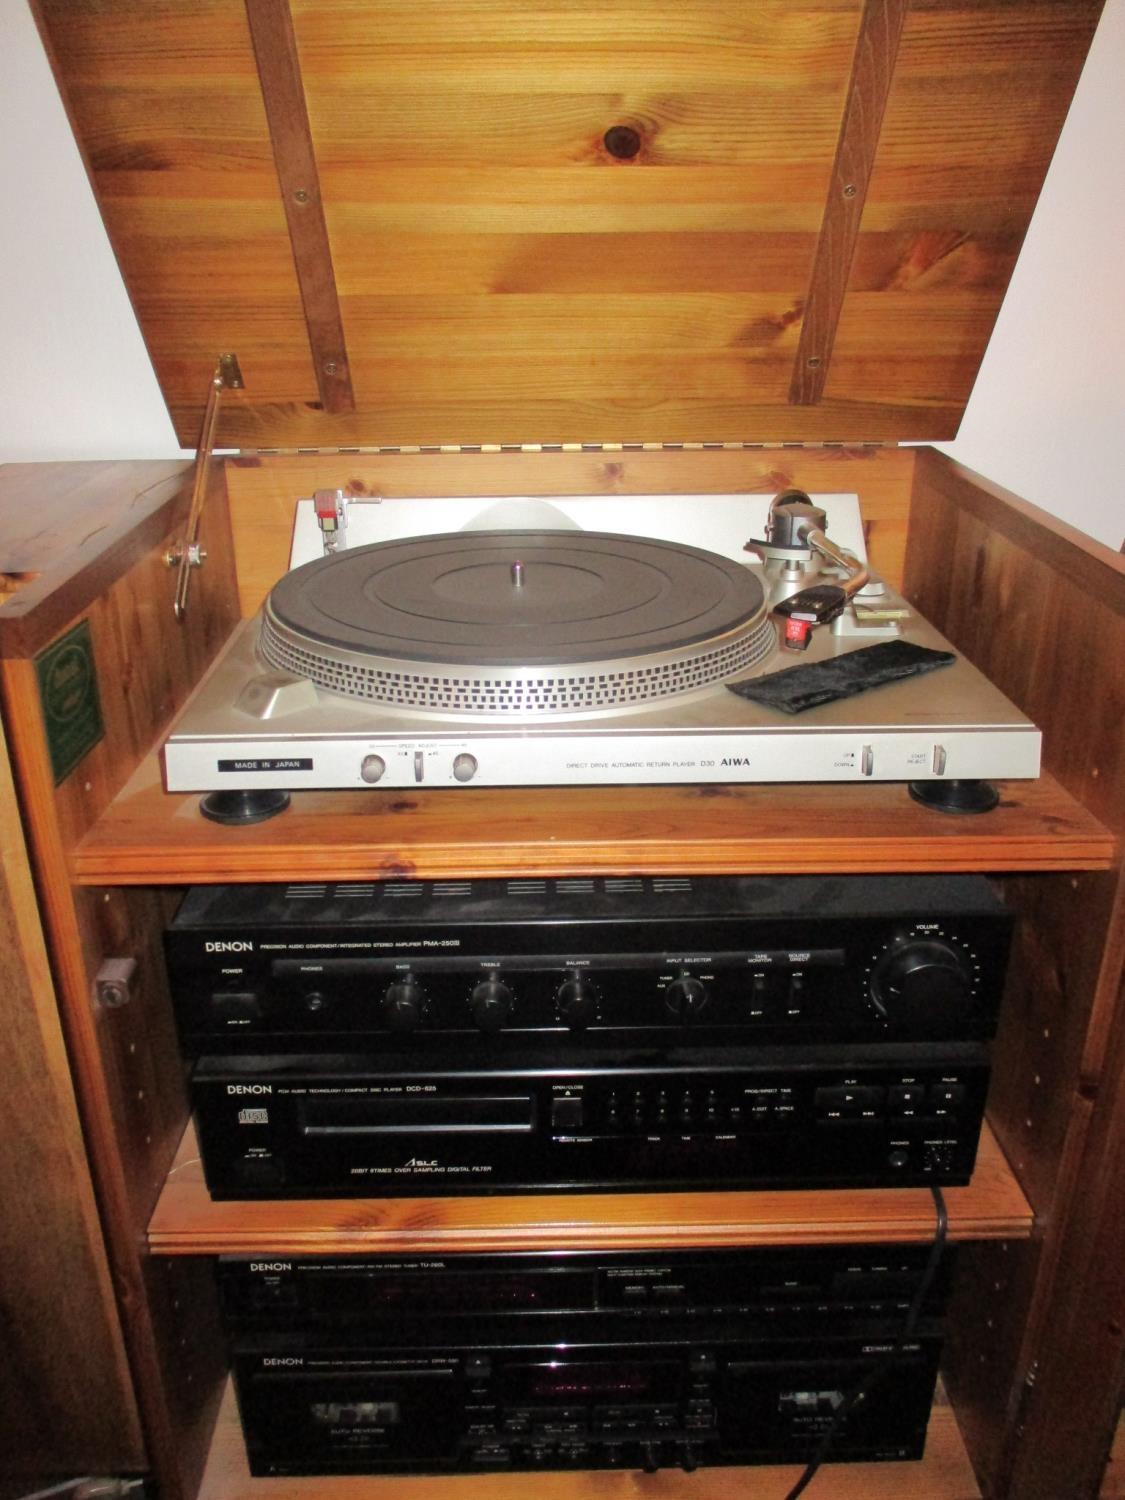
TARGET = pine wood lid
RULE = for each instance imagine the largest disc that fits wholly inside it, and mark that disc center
(498, 222)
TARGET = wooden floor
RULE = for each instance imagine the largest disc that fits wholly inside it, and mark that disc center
(943, 1474)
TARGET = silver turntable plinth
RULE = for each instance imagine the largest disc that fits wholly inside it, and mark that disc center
(534, 656)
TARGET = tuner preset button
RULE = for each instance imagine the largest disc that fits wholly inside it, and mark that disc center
(491, 1004)
(464, 767)
(372, 768)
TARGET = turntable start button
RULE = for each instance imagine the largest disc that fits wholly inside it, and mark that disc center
(371, 768)
(464, 767)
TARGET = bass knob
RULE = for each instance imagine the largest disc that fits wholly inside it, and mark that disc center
(923, 984)
(491, 1004)
(404, 1004)
(577, 1001)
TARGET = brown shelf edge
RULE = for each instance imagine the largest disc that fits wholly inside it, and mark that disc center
(187, 1221)
(150, 837)
(944, 1473)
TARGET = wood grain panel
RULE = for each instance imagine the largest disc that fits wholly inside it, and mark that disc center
(187, 1221)
(1023, 595)
(944, 1474)
(263, 491)
(65, 1385)
(502, 277)
(279, 69)
(151, 837)
(873, 66)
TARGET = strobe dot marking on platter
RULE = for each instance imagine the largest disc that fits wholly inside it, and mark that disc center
(517, 623)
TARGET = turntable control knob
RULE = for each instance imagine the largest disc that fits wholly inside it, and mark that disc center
(685, 996)
(464, 766)
(491, 1004)
(404, 1004)
(577, 1000)
(371, 768)
(923, 981)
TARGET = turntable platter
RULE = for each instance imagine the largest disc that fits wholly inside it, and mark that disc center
(510, 621)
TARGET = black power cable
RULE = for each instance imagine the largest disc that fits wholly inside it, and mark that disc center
(887, 1363)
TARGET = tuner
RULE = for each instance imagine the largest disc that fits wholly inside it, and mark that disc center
(404, 1004)
(577, 1001)
(923, 980)
(491, 1004)
(685, 996)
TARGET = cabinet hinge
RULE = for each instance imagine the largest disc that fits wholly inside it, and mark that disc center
(465, 448)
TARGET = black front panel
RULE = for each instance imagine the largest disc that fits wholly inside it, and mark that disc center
(653, 961)
(773, 1292)
(307, 1126)
(368, 1411)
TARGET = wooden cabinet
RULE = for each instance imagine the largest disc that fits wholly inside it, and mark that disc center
(1040, 1296)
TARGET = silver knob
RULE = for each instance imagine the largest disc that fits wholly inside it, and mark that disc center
(372, 767)
(464, 767)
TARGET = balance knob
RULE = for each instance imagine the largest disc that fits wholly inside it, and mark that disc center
(923, 982)
(491, 1004)
(685, 997)
(404, 1004)
(577, 1002)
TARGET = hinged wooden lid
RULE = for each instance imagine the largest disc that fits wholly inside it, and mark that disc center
(509, 222)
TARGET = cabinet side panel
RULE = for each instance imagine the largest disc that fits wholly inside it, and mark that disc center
(1041, 609)
(65, 1387)
(130, 1091)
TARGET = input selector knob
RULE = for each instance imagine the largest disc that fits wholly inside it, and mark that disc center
(923, 982)
(404, 1004)
(577, 1001)
(685, 997)
(491, 1004)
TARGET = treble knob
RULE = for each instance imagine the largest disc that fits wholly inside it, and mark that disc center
(491, 1004)
(404, 1004)
(923, 983)
(577, 1001)
(685, 996)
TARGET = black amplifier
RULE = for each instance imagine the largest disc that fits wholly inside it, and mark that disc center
(584, 1360)
(811, 1116)
(621, 962)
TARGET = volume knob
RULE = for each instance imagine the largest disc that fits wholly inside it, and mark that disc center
(404, 1004)
(923, 984)
(491, 1004)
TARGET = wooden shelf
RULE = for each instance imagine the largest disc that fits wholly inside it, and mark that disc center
(188, 1222)
(943, 1474)
(150, 837)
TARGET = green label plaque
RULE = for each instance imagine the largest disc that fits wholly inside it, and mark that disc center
(68, 691)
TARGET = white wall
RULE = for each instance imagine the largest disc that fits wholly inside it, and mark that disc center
(1046, 419)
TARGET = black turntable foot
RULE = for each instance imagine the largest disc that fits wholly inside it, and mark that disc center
(955, 796)
(243, 807)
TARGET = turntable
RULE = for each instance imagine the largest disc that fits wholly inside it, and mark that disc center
(582, 641)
